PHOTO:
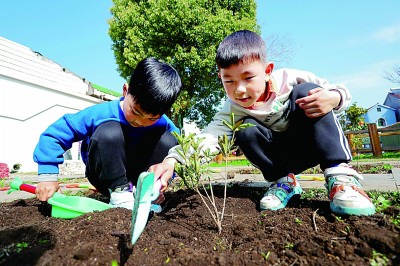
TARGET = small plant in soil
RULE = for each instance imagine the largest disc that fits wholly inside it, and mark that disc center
(195, 172)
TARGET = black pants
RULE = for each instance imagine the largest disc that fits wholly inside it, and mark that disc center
(115, 158)
(306, 143)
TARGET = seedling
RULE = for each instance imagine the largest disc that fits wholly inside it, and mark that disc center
(347, 229)
(381, 203)
(339, 219)
(289, 246)
(265, 255)
(298, 221)
(21, 246)
(378, 259)
(195, 171)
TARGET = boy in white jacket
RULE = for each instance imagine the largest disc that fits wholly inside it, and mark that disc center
(295, 126)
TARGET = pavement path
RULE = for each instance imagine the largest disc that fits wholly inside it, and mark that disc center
(380, 182)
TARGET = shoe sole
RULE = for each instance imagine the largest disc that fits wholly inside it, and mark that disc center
(295, 193)
(351, 211)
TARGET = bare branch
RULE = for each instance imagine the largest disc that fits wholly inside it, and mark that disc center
(280, 48)
(394, 76)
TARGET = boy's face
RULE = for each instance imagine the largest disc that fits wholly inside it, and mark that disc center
(245, 83)
(134, 114)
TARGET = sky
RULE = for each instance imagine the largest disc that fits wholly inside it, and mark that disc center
(349, 42)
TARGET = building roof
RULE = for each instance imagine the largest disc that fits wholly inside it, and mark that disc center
(381, 105)
(393, 98)
(21, 63)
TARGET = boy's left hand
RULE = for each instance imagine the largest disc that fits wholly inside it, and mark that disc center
(319, 102)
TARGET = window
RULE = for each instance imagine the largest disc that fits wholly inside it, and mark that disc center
(378, 109)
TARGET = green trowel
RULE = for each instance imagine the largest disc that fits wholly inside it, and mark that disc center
(146, 191)
(63, 206)
(68, 207)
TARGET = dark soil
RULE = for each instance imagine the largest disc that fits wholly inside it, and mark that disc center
(304, 233)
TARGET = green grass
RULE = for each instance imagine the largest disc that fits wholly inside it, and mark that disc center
(239, 162)
(367, 157)
(385, 200)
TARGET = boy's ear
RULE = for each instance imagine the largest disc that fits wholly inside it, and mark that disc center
(219, 75)
(125, 89)
(269, 67)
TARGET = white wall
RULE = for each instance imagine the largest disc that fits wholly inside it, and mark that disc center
(34, 92)
(26, 110)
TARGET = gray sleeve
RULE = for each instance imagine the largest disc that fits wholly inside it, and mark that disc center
(48, 178)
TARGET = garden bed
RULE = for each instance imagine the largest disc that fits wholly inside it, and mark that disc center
(305, 233)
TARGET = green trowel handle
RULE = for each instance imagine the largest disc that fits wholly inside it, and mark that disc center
(17, 184)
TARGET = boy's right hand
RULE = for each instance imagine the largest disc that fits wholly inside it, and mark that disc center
(164, 171)
(45, 190)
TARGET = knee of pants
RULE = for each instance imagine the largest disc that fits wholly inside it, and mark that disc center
(245, 134)
(302, 90)
(109, 133)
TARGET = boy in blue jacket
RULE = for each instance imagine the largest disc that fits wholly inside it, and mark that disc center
(120, 139)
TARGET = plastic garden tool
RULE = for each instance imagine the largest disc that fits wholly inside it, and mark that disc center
(4, 188)
(146, 192)
(77, 185)
(310, 178)
(64, 206)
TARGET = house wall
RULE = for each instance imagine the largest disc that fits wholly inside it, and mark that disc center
(393, 100)
(34, 92)
(26, 110)
(373, 115)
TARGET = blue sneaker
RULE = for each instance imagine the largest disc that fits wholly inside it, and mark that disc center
(280, 192)
(345, 192)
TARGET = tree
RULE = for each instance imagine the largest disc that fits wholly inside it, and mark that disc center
(185, 34)
(394, 77)
(353, 118)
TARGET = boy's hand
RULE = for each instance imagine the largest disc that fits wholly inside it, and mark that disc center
(45, 190)
(163, 171)
(319, 102)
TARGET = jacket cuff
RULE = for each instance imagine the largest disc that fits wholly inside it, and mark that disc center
(48, 178)
(341, 100)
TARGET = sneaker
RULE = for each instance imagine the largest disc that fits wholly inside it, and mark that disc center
(345, 192)
(279, 193)
(122, 197)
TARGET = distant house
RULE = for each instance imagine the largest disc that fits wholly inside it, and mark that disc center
(34, 92)
(385, 114)
(381, 114)
(393, 100)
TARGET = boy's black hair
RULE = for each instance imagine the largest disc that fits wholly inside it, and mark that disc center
(154, 86)
(240, 46)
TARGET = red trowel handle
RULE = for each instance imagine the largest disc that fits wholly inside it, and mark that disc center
(27, 188)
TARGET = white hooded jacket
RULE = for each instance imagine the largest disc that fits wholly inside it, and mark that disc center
(271, 112)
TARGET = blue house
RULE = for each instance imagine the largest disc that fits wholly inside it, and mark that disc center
(385, 114)
(393, 100)
(381, 114)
